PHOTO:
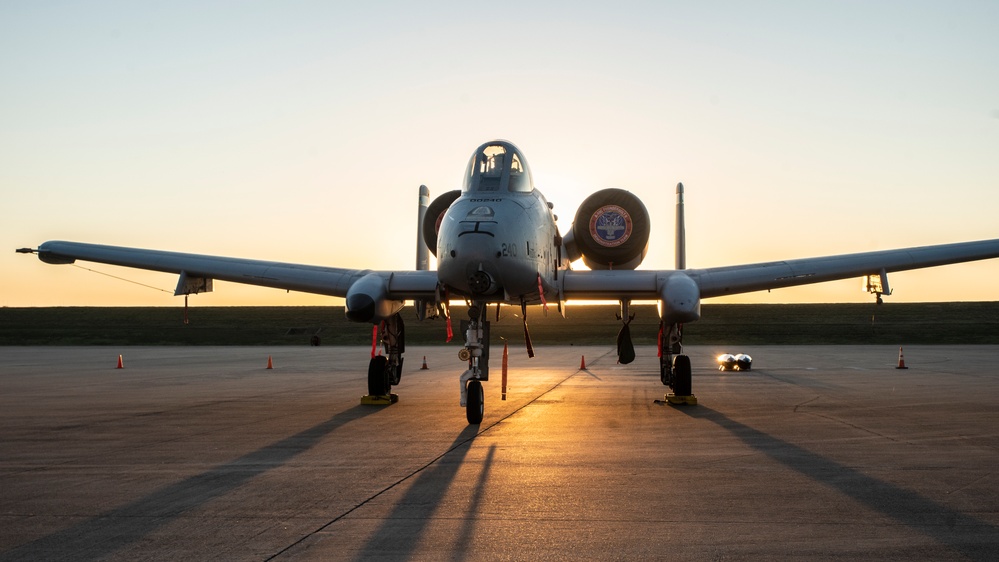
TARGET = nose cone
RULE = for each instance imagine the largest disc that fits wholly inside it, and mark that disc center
(471, 266)
(481, 283)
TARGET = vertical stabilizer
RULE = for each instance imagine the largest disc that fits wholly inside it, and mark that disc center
(681, 237)
(422, 252)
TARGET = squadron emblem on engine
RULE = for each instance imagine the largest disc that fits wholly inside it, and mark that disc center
(610, 226)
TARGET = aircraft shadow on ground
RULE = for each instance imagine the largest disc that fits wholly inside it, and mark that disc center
(961, 532)
(103, 534)
(402, 529)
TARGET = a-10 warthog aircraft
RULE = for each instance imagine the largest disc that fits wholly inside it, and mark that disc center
(497, 242)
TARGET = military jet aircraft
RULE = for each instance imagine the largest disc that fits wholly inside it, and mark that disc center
(496, 242)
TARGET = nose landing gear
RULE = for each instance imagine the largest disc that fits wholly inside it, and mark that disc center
(476, 352)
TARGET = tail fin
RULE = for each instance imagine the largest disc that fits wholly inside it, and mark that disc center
(681, 237)
(422, 252)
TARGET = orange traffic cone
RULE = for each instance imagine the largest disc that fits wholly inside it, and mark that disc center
(424, 367)
(901, 359)
(582, 362)
(120, 364)
(270, 362)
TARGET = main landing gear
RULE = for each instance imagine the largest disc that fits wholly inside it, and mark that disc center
(385, 371)
(476, 352)
(674, 367)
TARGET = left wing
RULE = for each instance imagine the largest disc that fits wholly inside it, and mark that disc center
(729, 280)
(332, 281)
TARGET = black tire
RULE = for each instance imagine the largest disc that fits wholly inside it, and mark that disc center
(681, 375)
(475, 405)
(378, 381)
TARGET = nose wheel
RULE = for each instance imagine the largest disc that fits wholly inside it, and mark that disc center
(475, 403)
(476, 353)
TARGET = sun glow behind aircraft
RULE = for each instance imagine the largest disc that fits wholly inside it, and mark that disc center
(805, 130)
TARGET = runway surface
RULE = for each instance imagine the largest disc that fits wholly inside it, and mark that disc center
(203, 453)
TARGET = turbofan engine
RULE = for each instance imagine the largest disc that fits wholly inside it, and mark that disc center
(610, 231)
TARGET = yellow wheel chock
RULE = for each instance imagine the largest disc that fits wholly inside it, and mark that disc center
(379, 399)
(688, 400)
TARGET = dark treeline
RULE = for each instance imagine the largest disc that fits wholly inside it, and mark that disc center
(919, 323)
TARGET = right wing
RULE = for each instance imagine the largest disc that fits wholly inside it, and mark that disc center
(332, 281)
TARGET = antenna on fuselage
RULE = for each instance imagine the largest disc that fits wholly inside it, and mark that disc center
(681, 237)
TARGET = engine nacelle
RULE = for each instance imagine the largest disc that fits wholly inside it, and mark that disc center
(610, 231)
(435, 214)
(367, 300)
(679, 299)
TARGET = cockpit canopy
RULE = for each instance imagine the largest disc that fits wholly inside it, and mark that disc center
(498, 166)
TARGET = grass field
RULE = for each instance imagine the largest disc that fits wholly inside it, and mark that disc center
(901, 324)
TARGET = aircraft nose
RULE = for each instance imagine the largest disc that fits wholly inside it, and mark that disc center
(481, 283)
(471, 265)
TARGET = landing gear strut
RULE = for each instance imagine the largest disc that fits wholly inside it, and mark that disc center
(674, 367)
(385, 371)
(476, 352)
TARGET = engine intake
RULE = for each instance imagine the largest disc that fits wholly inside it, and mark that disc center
(610, 231)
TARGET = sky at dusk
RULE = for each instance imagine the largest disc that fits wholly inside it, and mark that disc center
(301, 131)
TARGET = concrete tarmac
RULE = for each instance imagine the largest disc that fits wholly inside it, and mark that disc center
(820, 452)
